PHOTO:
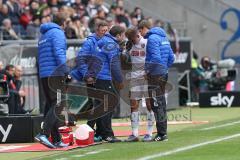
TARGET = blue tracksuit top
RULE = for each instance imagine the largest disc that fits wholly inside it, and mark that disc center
(159, 56)
(52, 51)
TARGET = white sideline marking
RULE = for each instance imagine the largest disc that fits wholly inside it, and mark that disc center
(5, 148)
(90, 153)
(62, 159)
(220, 126)
(189, 147)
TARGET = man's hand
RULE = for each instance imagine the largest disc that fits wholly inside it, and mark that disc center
(21, 93)
(146, 76)
(68, 79)
(22, 101)
(119, 86)
(90, 80)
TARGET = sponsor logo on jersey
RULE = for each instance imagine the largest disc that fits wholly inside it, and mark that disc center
(138, 53)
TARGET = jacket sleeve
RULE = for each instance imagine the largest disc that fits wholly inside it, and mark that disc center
(59, 50)
(94, 68)
(171, 58)
(76, 75)
(88, 62)
(86, 48)
(152, 48)
(114, 60)
(116, 69)
(83, 57)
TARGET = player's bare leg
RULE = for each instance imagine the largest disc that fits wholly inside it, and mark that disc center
(150, 122)
(134, 121)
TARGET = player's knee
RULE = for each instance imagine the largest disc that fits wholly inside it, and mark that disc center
(149, 106)
(134, 106)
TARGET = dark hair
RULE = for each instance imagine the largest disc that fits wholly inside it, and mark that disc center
(35, 17)
(116, 30)
(113, 6)
(131, 32)
(121, 8)
(195, 55)
(101, 24)
(144, 24)
(8, 67)
(60, 19)
(75, 18)
(136, 8)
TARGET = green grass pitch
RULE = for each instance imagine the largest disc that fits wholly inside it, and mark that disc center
(183, 141)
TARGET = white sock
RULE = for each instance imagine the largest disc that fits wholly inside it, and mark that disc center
(135, 123)
(150, 122)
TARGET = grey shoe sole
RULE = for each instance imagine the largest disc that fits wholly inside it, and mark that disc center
(37, 139)
(133, 140)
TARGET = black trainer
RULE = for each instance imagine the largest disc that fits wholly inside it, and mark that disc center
(161, 138)
(112, 139)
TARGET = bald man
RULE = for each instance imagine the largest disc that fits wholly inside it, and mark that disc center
(17, 96)
(1, 65)
(18, 72)
(1, 70)
(21, 93)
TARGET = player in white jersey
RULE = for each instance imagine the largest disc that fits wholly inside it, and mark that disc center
(138, 85)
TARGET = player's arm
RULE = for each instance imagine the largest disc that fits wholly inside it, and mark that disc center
(125, 56)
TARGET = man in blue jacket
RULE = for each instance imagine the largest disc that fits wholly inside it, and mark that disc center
(159, 58)
(87, 60)
(86, 57)
(109, 52)
(52, 71)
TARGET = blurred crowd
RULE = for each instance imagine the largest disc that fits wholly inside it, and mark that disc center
(210, 75)
(20, 19)
(16, 101)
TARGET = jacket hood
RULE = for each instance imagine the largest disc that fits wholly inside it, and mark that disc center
(102, 42)
(93, 37)
(48, 26)
(110, 36)
(156, 30)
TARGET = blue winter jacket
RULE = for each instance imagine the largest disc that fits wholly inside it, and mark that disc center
(87, 59)
(109, 53)
(159, 56)
(52, 51)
